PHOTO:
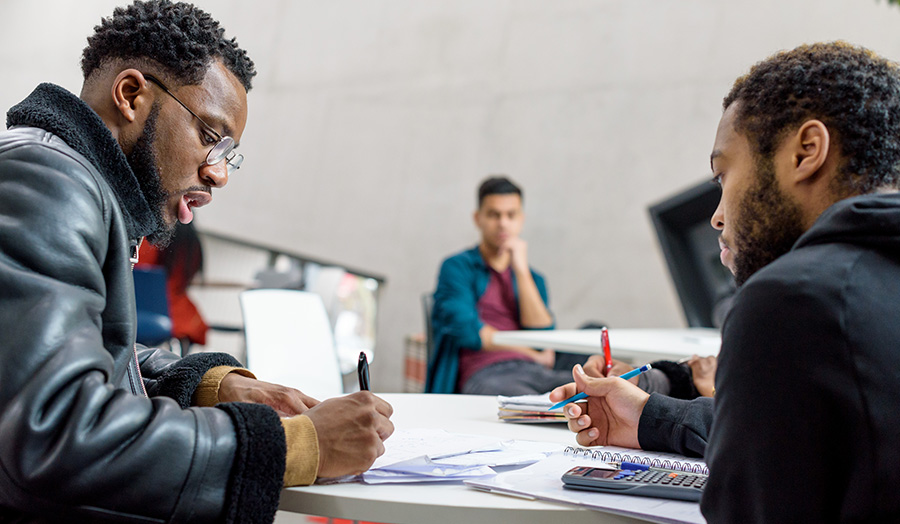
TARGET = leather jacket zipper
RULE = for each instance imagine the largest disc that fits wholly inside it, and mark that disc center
(135, 249)
(137, 365)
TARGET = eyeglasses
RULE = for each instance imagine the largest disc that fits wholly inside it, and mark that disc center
(224, 146)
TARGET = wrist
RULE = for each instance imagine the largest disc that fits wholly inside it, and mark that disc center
(207, 392)
(521, 269)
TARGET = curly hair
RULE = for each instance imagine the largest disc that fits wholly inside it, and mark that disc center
(178, 36)
(853, 91)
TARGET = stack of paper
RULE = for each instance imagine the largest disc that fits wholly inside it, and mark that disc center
(528, 409)
(431, 455)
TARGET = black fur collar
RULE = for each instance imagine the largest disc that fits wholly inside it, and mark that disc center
(60, 112)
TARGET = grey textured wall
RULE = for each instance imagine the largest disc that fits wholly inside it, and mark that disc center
(372, 122)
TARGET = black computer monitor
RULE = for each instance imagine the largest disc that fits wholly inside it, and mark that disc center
(691, 248)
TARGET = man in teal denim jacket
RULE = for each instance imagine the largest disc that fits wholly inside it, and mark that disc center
(486, 289)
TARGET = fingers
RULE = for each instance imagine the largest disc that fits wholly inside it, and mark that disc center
(385, 430)
(289, 401)
(587, 437)
(594, 386)
(577, 420)
(595, 366)
(308, 401)
(295, 403)
(381, 406)
(580, 377)
(562, 392)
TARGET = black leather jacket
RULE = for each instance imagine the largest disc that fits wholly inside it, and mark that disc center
(92, 427)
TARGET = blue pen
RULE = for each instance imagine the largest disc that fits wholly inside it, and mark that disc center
(631, 465)
(580, 396)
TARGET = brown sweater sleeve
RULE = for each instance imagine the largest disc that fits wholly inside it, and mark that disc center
(207, 393)
(302, 461)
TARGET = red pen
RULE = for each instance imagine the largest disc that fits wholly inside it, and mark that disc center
(607, 355)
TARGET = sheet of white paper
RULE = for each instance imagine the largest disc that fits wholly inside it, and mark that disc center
(379, 476)
(434, 443)
(511, 453)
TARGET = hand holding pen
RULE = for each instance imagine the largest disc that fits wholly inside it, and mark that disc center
(611, 413)
(581, 396)
(607, 369)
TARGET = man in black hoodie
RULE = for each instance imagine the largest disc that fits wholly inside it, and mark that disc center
(806, 417)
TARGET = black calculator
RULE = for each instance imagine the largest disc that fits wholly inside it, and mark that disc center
(647, 483)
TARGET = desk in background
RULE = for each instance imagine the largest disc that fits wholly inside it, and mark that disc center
(444, 503)
(636, 345)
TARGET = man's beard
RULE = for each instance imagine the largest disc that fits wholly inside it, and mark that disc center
(768, 225)
(143, 162)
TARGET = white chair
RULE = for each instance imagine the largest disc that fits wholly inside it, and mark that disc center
(290, 342)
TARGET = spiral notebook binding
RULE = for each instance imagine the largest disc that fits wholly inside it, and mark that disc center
(614, 456)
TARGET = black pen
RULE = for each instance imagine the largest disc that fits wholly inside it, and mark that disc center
(363, 370)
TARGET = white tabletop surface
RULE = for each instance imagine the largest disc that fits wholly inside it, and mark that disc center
(633, 344)
(444, 503)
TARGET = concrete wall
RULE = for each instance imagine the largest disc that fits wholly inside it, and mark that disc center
(373, 121)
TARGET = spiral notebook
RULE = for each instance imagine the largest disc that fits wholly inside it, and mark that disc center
(655, 460)
(543, 481)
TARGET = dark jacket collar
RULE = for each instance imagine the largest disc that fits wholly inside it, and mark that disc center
(60, 112)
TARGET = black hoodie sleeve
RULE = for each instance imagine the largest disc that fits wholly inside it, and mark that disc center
(675, 425)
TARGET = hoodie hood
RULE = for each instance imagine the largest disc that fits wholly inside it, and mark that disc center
(870, 221)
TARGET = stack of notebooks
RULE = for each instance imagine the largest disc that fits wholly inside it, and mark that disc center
(531, 409)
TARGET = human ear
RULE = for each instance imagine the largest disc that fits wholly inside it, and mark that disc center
(130, 93)
(810, 145)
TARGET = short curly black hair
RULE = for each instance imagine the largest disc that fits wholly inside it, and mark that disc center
(178, 36)
(853, 91)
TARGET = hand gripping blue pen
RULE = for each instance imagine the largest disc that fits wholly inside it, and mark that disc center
(580, 396)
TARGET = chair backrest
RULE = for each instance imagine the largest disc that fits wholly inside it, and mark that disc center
(324, 281)
(154, 323)
(290, 342)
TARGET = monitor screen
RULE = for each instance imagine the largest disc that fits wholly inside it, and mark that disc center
(691, 248)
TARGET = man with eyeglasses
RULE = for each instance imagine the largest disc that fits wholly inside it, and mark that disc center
(94, 427)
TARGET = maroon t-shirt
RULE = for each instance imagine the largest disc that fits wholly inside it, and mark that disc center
(499, 309)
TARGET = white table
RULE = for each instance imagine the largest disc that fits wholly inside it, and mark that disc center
(638, 345)
(444, 503)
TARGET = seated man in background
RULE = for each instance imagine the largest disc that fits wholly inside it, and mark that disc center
(805, 414)
(490, 288)
(484, 289)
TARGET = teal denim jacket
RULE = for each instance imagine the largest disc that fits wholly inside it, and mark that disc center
(462, 281)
